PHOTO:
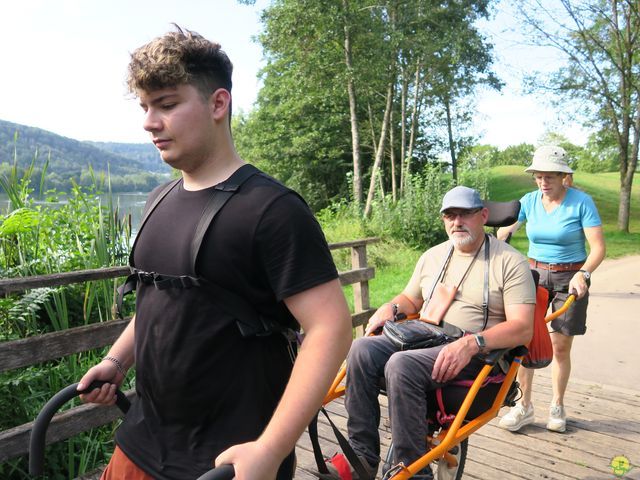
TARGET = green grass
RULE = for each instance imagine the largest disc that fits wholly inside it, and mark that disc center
(394, 261)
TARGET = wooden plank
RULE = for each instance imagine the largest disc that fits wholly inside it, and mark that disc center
(584, 452)
(609, 399)
(355, 276)
(592, 407)
(536, 449)
(18, 284)
(15, 441)
(354, 243)
(29, 351)
(361, 318)
(500, 464)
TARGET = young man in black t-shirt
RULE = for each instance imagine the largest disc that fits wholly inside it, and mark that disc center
(205, 393)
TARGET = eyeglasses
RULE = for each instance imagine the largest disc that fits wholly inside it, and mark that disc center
(450, 215)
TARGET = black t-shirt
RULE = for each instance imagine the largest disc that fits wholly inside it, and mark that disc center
(201, 386)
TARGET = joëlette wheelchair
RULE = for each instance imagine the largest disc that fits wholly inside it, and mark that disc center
(475, 403)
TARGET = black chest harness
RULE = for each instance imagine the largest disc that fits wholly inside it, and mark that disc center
(250, 321)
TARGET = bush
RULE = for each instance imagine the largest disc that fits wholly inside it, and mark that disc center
(413, 220)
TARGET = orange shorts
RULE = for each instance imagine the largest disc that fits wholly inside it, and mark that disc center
(121, 468)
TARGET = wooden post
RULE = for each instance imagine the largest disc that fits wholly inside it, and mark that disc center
(360, 289)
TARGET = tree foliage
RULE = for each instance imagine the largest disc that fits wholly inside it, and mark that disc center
(598, 155)
(362, 93)
(601, 42)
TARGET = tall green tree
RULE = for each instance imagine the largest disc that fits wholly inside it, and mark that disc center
(601, 41)
(352, 86)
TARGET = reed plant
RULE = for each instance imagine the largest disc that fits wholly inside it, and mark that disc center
(44, 232)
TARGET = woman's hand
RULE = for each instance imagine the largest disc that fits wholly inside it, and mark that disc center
(578, 285)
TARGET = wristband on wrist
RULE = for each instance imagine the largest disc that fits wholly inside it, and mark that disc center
(118, 365)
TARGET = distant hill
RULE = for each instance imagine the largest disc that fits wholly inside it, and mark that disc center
(131, 166)
(143, 153)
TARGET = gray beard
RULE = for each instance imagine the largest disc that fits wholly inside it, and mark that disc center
(462, 242)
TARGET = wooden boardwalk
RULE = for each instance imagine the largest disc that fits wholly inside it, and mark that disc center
(603, 423)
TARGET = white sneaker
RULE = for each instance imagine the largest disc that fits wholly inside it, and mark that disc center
(557, 419)
(518, 417)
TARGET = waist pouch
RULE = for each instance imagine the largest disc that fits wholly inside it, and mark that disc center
(413, 334)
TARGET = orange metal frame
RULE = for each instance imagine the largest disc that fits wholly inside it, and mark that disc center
(457, 432)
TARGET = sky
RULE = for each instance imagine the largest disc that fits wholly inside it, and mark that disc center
(64, 65)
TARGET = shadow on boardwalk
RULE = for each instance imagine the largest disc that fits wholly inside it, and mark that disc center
(603, 423)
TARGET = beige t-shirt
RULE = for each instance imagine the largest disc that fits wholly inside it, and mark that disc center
(510, 282)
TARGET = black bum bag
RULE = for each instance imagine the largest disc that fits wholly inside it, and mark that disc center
(413, 334)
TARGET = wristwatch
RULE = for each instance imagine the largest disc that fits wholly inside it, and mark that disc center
(480, 341)
(586, 274)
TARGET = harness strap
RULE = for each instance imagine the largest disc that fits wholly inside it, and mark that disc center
(351, 455)
(163, 193)
(222, 193)
(126, 288)
(485, 297)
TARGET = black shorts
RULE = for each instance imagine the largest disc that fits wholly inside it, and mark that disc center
(574, 320)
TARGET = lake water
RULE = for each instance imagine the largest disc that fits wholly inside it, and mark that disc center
(128, 203)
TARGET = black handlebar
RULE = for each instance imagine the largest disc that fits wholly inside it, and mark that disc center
(223, 472)
(39, 430)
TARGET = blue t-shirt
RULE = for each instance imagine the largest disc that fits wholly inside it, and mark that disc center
(558, 236)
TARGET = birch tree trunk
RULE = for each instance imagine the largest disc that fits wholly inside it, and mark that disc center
(403, 124)
(380, 150)
(414, 122)
(392, 157)
(353, 109)
(452, 149)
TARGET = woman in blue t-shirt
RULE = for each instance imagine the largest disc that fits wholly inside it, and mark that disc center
(559, 220)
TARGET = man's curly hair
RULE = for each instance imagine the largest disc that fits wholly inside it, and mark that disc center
(178, 58)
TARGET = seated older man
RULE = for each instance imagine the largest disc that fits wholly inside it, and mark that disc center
(447, 286)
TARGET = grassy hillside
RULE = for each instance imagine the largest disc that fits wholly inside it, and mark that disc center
(394, 262)
(132, 167)
(511, 182)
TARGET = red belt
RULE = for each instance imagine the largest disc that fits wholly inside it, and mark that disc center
(556, 267)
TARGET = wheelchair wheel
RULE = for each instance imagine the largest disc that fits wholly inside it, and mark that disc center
(441, 470)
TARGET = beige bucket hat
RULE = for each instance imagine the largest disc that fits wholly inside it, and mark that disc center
(550, 158)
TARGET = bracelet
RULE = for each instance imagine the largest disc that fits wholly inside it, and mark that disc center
(118, 365)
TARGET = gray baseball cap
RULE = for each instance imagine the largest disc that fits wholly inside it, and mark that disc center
(461, 197)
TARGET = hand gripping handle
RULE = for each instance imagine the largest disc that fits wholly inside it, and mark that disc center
(39, 430)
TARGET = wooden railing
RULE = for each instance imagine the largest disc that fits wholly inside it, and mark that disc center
(16, 354)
